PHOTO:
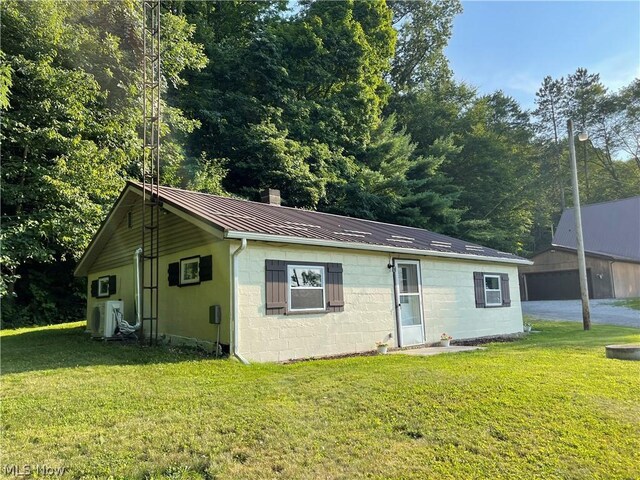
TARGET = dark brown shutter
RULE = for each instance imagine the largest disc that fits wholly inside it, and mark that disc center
(206, 268)
(276, 287)
(334, 290)
(94, 288)
(112, 285)
(174, 274)
(506, 294)
(478, 285)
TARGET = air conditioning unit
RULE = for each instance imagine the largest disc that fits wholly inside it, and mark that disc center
(103, 319)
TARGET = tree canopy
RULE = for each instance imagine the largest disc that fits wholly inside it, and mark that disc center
(347, 107)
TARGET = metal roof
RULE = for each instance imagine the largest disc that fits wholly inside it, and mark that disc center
(260, 221)
(609, 228)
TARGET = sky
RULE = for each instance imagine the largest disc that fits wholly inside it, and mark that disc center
(511, 46)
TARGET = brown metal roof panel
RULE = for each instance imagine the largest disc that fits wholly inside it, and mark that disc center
(232, 214)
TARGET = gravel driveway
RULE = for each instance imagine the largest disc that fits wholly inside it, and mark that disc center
(602, 311)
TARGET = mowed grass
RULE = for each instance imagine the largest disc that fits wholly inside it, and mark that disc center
(548, 406)
(629, 303)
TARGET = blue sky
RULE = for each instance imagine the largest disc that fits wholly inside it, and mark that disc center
(512, 46)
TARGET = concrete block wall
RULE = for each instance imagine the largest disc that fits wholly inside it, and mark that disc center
(369, 314)
(449, 300)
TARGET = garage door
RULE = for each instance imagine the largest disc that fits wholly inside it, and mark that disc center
(560, 285)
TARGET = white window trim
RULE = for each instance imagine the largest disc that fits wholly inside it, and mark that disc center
(103, 281)
(499, 289)
(183, 264)
(290, 267)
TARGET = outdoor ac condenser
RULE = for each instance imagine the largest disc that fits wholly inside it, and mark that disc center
(103, 320)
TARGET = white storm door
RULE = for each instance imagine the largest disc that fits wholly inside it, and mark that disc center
(409, 302)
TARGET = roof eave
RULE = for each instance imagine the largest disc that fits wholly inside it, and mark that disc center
(234, 234)
(592, 253)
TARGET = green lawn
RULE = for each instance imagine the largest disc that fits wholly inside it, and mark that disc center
(548, 406)
(629, 303)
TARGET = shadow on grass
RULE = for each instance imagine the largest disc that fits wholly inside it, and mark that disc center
(64, 346)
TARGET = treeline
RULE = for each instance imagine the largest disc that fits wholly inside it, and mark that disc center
(347, 107)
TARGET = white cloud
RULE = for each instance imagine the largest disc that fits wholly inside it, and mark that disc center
(617, 71)
(522, 82)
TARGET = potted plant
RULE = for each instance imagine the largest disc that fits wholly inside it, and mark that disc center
(445, 340)
(527, 327)
(382, 347)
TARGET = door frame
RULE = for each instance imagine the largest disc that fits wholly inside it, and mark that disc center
(396, 299)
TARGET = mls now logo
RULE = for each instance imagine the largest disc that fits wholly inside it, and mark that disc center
(27, 470)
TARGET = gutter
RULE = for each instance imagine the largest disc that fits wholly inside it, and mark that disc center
(234, 300)
(232, 234)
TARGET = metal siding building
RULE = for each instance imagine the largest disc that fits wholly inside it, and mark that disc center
(612, 247)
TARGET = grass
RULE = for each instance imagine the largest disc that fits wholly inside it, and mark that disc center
(629, 303)
(547, 406)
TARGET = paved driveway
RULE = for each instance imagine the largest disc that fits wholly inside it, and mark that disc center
(602, 311)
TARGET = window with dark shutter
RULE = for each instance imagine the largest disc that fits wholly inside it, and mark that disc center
(491, 289)
(190, 271)
(276, 287)
(305, 282)
(112, 285)
(94, 288)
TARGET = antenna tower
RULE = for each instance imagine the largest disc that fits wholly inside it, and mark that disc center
(150, 168)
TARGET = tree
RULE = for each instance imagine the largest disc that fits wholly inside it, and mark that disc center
(289, 101)
(549, 115)
(626, 121)
(498, 171)
(424, 28)
(69, 138)
(393, 184)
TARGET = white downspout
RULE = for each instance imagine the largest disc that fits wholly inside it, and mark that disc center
(234, 300)
(136, 267)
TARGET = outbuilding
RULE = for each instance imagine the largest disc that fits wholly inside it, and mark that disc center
(291, 283)
(611, 232)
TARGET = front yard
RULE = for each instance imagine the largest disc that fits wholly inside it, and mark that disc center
(548, 406)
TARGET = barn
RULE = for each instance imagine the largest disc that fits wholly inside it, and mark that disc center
(274, 283)
(611, 232)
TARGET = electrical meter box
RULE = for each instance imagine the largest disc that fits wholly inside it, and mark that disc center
(215, 314)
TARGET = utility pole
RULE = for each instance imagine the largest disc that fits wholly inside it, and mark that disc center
(582, 267)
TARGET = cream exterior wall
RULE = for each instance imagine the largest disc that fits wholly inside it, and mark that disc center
(449, 300)
(183, 311)
(369, 314)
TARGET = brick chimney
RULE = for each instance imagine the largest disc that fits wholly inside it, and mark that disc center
(271, 196)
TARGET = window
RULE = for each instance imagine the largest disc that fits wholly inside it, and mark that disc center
(103, 287)
(189, 270)
(492, 290)
(300, 287)
(306, 287)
